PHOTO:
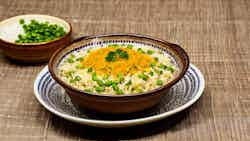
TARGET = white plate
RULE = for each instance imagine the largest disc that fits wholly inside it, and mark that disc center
(181, 96)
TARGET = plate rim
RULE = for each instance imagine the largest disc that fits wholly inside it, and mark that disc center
(119, 123)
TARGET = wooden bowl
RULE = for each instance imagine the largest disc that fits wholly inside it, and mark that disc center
(126, 103)
(31, 52)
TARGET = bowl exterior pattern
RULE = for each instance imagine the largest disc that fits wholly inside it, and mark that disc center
(119, 103)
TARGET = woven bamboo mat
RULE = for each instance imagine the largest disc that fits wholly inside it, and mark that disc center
(215, 33)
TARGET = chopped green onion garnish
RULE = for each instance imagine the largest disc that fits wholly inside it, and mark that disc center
(79, 66)
(106, 77)
(99, 88)
(117, 89)
(108, 83)
(87, 90)
(21, 21)
(130, 46)
(152, 65)
(139, 90)
(143, 76)
(159, 82)
(122, 54)
(90, 70)
(162, 66)
(170, 68)
(79, 59)
(128, 83)
(140, 50)
(120, 78)
(71, 81)
(151, 73)
(77, 78)
(150, 52)
(100, 82)
(112, 55)
(70, 74)
(35, 32)
(70, 60)
(72, 56)
(94, 77)
(156, 59)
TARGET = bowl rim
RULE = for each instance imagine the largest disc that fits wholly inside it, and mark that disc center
(178, 50)
(25, 45)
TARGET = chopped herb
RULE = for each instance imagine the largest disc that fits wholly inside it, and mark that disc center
(117, 89)
(161, 72)
(69, 74)
(159, 82)
(72, 56)
(150, 52)
(151, 73)
(94, 77)
(108, 83)
(156, 59)
(152, 65)
(162, 66)
(71, 81)
(130, 46)
(36, 32)
(111, 57)
(21, 21)
(87, 90)
(99, 88)
(100, 82)
(77, 78)
(120, 78)
(140, 50)
(79, 59)
(128, 83)
(79, 66)
(143, 76)
(70, 60)
(158, 71)
(90, 70)
(106, 76)
(122, 54)
(170, 68)
(139, 90)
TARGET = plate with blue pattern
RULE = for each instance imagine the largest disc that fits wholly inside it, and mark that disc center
(181, 96)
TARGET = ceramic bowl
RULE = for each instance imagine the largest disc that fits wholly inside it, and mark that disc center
(30, 52)
(126, 103)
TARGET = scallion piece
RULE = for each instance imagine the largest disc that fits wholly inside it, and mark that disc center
(150, 52)
(143, 76)
(99, 88)
(159, 82)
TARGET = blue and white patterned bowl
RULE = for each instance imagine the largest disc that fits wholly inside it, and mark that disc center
(181, 96)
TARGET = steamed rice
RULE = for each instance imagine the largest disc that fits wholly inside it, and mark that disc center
(131, 69)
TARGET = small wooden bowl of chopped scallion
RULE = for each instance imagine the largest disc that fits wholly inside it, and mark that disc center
(33, 38)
